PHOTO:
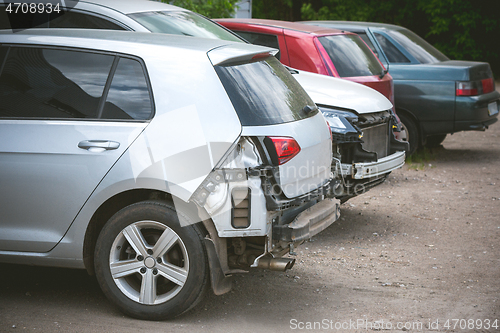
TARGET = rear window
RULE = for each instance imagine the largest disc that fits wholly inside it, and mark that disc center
(264, 93)
(350, 56)
(424, 52)
(183, 23)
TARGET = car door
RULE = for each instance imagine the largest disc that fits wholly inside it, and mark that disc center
(66, 116)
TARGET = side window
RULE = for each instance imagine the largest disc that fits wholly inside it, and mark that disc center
(47, 83)
(391, 52)
(4, 19)
(72, 19)
(22, 21)
(260, 39)
(128, 96)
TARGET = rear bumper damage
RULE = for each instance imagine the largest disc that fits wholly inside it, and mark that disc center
(309, 222)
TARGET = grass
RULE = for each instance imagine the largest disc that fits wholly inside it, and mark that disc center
(419, 159)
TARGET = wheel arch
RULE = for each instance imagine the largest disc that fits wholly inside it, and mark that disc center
(111, 206)
(411, 115)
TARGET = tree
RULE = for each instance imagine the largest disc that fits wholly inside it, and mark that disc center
(208, 8)
(464, 30)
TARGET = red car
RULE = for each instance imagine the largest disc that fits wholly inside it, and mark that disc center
(315, 49)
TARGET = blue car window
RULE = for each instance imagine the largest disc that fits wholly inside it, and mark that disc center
(424, 52)
(391, 51)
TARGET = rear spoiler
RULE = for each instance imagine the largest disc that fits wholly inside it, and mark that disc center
(238, 53)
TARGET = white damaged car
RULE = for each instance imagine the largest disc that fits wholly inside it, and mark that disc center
(365, 148)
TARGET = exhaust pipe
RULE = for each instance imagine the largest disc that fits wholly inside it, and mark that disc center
(276, 264)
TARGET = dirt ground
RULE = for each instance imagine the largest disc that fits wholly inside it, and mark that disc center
(420, 249)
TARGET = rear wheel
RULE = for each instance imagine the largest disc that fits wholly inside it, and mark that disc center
(435, 140)
(409, 132)
(148, 265)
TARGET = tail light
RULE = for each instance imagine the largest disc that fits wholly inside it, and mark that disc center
(329, 130)
(474, 88)
(286, 148)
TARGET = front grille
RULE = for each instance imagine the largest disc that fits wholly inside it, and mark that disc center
(376, 139)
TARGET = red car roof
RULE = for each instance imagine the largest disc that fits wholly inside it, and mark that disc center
(309, 29)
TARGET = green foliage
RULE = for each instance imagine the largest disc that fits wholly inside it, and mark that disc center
(462, 29)
(337, 10)
(208, 8)
(287, 10)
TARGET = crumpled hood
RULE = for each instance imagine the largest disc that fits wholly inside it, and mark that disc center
(335, 92)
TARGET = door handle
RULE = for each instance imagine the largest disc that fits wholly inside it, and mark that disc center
(98, 145)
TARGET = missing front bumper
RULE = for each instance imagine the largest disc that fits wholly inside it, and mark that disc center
(374, 169)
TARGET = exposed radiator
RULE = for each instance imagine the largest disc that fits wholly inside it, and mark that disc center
(376, 139)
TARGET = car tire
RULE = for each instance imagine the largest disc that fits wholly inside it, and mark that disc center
(148, 265)
(435, 140)
(409, 132)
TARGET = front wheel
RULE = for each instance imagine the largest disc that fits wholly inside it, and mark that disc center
(148, 265)
(409, 132)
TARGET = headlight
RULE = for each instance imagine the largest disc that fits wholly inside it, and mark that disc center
(342, 124)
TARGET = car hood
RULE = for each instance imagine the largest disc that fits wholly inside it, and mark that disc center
(334, 92)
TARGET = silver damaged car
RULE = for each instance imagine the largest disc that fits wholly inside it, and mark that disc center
(162, 164)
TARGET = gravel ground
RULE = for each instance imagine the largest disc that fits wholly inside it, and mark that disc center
(420, 249)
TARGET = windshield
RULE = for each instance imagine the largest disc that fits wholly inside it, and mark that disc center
(183, 23)
(424, 52)
(265, 93)
(350, 56)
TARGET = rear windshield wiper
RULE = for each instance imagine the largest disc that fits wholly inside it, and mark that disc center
(385, 71)
(291, 70)
(308, 108)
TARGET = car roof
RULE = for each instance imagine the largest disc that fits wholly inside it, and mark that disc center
(309, 29)
(356, 24)
(109, 40)
(131, 6)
